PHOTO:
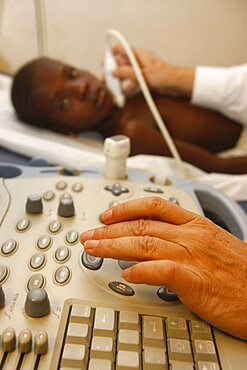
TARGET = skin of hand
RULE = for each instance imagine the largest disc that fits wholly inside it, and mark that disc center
(159, 75)
(202, 263)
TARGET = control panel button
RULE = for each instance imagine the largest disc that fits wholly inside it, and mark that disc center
(4, 272)
(121, 288)
(36, 281)
(41, 343)
(37, 303)
(91, 262)
(2, 297)
(77, 187)
(117, 189)
(62, 275)
(55, 226)
(8, 340)
(9, 247)
(61, 185)
(25, 341)
(48, 195)
(37, 261)
(174, 200)
(44, 242)
(62, 254)
(23, 224)
(153, 189)
(113, 204)
(34, 204)
(66, 207)
(72, 237)
(165, 294)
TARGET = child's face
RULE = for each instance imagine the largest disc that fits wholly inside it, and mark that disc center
(74, 99)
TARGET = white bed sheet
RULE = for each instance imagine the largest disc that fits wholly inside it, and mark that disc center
(88, 151)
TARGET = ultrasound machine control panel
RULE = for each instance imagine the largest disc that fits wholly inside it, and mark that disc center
(63, 309)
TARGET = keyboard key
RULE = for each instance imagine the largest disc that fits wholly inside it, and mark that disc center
(204, 350)
(179, 350)
(200, 330)
(182, 366)
(176, 327)
(153, 331)
(97, 364)
(105, 322)
(78, 333)
(103, 347)
(154, 359)
(207, 366)
(129, 340)
(82, 313)
(129, 320)
(74, 355)
(128, 360)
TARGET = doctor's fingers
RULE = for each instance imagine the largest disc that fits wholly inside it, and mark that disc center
(144, 58)
(136, 248)
(121, 55)
(177, 277)
(154, 208)
(124, 72)
(140, 227)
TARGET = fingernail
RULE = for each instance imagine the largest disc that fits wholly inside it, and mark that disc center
(106, 216)
(126, 273)
(87, 235)
(91, 244)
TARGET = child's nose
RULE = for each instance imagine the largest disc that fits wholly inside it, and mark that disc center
(82, 90)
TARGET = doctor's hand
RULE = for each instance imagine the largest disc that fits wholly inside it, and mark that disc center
(202, 263)
(160, 76)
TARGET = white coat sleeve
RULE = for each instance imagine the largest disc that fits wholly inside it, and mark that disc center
(222, 89)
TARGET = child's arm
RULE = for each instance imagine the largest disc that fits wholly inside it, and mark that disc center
(148, 140)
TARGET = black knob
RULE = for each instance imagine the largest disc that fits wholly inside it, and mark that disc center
(37, 303)
(34, 204)
(66, 207)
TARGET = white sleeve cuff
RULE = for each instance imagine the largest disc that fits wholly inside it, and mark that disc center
(209, 86)
(223, 89)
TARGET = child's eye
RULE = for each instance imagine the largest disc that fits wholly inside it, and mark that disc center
(73, 73)
(64, 103)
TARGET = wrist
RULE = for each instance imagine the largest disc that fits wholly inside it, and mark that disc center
(182, 80)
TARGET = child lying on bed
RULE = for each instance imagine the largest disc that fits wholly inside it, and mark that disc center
(50, 94)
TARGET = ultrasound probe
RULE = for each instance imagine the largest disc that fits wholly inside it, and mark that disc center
(114, 86)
